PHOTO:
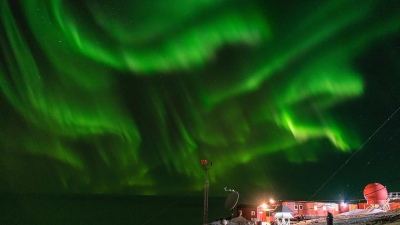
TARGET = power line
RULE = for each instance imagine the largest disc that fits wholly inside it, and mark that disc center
(163, 210)
(354, 153)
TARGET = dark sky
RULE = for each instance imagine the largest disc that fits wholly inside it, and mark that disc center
(294, 100)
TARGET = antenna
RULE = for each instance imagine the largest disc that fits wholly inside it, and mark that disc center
(231, 200)
(207, 166)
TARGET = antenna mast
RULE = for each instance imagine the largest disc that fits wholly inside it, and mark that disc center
(206, 188)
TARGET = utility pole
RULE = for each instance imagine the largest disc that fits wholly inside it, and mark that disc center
(207, 166)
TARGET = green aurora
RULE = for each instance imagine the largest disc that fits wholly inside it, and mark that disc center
(129, 96)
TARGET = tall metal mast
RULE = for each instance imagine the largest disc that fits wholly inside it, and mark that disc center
(206, 189)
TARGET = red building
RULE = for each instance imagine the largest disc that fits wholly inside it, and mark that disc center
(304, 209)
(248, 211)
(375, 194)
(392, 205)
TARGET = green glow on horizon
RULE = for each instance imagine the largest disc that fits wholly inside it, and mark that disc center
(125, 98)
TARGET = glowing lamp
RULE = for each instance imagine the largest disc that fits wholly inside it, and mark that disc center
(375, 193)
(203, 162)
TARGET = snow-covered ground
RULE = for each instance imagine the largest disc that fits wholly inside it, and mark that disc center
(362, 216)
(361, 212)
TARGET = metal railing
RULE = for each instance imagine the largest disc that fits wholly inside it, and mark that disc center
(394, 195)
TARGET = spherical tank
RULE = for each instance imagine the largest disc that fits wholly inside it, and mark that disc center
(375, 193)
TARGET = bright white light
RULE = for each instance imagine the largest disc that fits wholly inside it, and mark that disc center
(323, 207)
(272, 201)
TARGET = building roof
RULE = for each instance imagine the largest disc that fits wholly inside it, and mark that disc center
(283, 208)
(246, 206)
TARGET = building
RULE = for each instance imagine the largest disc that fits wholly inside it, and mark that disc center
(248, 211)
(376, 196)
(301, 209)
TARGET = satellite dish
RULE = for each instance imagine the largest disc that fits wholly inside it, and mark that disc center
(231, 200)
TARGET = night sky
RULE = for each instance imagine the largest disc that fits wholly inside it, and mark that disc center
(292, 100)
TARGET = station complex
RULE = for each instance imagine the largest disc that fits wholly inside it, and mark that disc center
(376, 197)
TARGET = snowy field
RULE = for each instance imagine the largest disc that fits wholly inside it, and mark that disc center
(364, 217)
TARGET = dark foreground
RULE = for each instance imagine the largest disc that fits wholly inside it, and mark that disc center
(106, 210)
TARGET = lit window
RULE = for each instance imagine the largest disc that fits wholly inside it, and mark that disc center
(296, 207)
(315, 207)
(253, 213)
(324, 208)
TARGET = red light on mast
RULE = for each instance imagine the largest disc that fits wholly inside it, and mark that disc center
(203, 162)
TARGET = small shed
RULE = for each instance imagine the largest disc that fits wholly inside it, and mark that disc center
(283, 214)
